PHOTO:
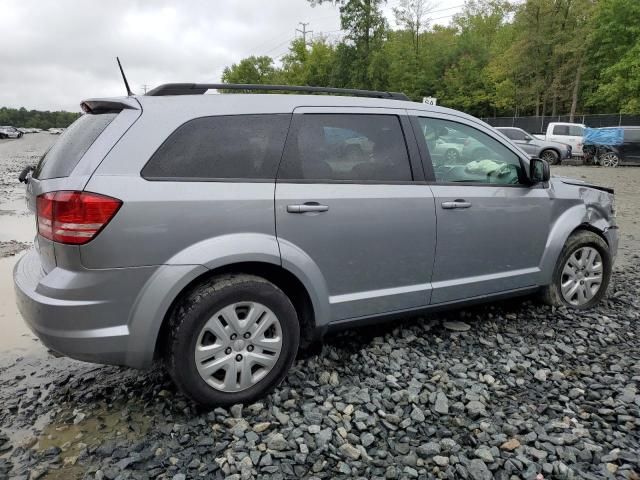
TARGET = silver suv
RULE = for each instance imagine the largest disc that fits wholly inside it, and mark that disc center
(219, 233)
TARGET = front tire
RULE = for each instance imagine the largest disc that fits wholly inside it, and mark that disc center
(609, 159)
(550, 156)
(582, 272)
(232, 340)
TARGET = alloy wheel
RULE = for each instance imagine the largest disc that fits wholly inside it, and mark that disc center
(549, 156)
(238, 346)
(609, 159)
(581, 276)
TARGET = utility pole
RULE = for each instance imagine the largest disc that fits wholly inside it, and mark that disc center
(304, 32)
(145, 87)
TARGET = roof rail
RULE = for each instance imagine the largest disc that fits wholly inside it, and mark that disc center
(200, 88)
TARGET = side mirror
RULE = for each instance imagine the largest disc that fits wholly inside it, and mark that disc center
(539, 170)
(528, 138)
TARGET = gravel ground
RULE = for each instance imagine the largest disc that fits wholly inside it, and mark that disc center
(508, 390)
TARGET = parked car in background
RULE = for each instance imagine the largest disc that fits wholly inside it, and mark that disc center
(448, 145)
(624, 151)
(56, 131)
(222, 233)
(568, 133)
(552, 152)
(10, 132)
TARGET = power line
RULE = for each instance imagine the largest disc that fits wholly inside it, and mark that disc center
(279, 45)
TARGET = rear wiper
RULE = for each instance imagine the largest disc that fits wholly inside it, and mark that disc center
(23, 177)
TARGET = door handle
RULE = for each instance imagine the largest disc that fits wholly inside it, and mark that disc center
(456, 204)
(307, 207)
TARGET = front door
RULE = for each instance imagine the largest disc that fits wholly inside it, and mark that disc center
(347, 199)
(492, 227)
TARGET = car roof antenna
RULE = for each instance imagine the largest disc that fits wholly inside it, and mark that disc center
(124, 77)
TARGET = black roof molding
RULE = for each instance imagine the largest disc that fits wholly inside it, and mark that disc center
(200, 88)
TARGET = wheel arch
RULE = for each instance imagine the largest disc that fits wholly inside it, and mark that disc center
(285, 280)
(578, 217)
(553, 149)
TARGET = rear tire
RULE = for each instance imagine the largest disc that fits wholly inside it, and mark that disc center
(582, 242)
(233, 368)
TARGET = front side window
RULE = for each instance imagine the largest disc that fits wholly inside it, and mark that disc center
(347, 147)
(222, 147)
(479, 158)
(632, 135)
(518, 135)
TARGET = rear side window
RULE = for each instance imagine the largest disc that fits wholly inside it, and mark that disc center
(346, 147)
(222, 147)
(65, 154)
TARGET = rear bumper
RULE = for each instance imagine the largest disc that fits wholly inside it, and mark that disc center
(82, 314)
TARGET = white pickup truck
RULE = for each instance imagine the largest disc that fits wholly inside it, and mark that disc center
(569, 133)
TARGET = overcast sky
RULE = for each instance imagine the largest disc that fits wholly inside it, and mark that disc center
(55, 53)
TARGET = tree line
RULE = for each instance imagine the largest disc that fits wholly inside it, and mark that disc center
(21, 117)
(495, 58)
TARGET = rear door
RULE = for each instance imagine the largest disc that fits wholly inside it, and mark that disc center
(351, 197)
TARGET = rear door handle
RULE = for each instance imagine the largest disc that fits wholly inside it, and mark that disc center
(307, 207)
(456, 204)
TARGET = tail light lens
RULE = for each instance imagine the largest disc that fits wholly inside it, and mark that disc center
(74, 218)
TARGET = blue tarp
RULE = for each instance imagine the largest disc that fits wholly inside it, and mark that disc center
(603, 136)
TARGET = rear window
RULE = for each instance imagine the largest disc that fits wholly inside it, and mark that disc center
(222, 147)
(65, 154)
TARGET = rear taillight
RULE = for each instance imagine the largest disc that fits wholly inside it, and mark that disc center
(74, 217)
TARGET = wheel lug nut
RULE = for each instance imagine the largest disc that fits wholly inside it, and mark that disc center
(247, 335)
(233, 336)
(250, 348)
(238, 357)
(228, 350)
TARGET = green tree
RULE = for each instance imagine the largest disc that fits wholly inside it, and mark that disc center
(256, 70)
(613, 57)
(365, 27)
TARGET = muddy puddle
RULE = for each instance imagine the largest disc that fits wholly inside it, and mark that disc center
(21, 228)
(16, 222)
(15, 337)
(73, 432)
